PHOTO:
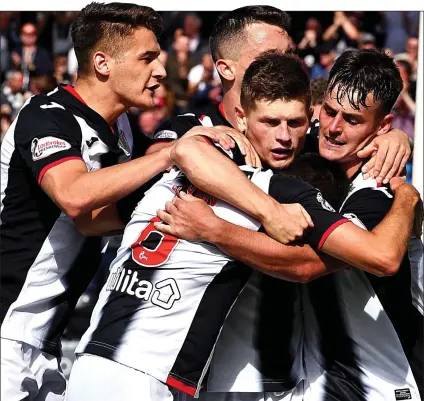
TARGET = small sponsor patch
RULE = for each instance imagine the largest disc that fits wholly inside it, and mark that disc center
(166, 134)
(403, 394)
(324, 203)
(43, 147)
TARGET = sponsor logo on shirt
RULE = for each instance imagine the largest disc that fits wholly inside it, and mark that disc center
(403, 394)
(43, 147)
(166, 134)
(91, 142)
(325, 205)
(163, 293)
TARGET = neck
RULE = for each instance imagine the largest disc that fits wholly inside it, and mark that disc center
(351, 168)
(230, 100)
(100, 98)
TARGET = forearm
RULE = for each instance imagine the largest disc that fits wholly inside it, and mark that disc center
(98, 188)
(212, 172)
(100, 222)
(298, 263)
(350, 30)
(330, 32)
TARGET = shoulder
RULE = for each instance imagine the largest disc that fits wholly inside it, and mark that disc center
(176, 127)
(287, 189)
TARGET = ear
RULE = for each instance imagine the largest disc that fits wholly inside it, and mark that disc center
(226, 69)
(101, 63)
(385, 124)
(241, 119)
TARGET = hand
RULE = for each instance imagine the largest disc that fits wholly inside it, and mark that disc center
(389, 154)
(311, 35)
(246, 148)
(400, 184)
(16, 58)
(220, 136)
(287, 223)
(186, 217)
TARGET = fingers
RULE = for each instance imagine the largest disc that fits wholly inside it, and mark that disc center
(368, 168)
(164, 216)
(388, 162)
(395, 168)
(379, 160)
(170, 207)
(367, 151)
(307, 217)
(403, 163)
(164, 228)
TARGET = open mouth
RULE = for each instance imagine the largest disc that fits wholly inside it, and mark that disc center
(333, 142)
(281, 153)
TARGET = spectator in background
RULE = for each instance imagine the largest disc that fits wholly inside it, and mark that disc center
(12, 90)
(165, 102)
(366, 41)
(197, 45)
(148, 121)
(30, 58)
(4, 44)
(343, 32)
(411, 56)
(327, 56)
(5, 117)
(202, 78)
(42, 84)
(178, 64)
(396, 24)
(404, 108)
(61, 28)
(318, 86)
(312, 38)
(60, 69)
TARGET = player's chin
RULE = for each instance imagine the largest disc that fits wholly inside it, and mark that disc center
(146, 101)
(280, 164)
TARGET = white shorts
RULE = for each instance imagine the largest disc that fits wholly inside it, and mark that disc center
(94, 378)
(30, 374)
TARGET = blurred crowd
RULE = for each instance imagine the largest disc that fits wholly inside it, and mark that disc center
(37, 54)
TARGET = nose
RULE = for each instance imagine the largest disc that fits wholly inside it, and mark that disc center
(159, 71)
(283, 134)
(336, 124)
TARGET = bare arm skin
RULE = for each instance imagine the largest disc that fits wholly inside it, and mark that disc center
(381, 250)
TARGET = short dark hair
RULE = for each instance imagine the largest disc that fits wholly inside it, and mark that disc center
(230, 27)
(357, 73)
(323, 174)
(105, 25)
(274, 76)
(318, 86)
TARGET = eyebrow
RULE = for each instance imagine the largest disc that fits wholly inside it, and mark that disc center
(154, 53)
(344, 113)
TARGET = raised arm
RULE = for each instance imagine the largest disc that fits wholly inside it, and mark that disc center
(217, 175)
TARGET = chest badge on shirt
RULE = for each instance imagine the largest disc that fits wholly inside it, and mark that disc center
(324, 203)
(43, 147)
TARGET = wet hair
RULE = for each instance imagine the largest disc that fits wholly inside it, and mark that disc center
(318, 86)
(274, 76)
(228, 34)
(323, 174)
(103, 26)
(357, 73)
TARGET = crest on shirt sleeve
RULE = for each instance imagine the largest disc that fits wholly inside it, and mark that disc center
(324, 203)
(43, 147)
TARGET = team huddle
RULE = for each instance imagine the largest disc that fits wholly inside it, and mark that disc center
(257, 263)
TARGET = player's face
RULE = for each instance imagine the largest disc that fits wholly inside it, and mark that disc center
(277, 130)
(343, 130)
(137, 71)
(260, 38)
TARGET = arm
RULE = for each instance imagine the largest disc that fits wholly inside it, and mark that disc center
(350, 30)
(192, 219)
(77, 191)
(104, 221)
(212, 172)
(383, 248)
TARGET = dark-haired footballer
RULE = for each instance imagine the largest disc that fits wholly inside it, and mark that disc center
(341, 309)
(160, 313)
